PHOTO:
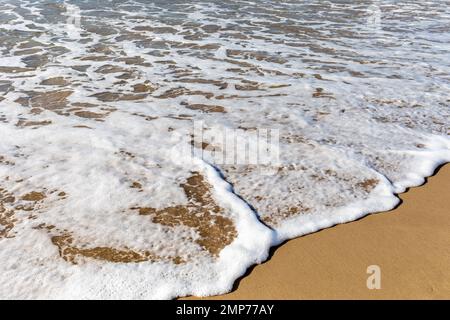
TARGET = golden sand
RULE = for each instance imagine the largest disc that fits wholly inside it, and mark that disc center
(201, 213)
(206, 108)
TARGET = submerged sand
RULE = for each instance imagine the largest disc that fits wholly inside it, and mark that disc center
(410, 244)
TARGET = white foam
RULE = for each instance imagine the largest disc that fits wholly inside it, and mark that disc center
(362, 112)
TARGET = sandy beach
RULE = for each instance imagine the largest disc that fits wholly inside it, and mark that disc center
(409, 243)
(161, 149)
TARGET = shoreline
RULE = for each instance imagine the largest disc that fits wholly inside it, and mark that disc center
(408, 243)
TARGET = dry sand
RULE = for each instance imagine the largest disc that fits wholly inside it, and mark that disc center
(411, 244)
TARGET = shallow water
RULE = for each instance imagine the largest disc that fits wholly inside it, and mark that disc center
(106, 190)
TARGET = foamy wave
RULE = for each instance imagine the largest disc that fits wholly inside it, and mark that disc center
(105, 194)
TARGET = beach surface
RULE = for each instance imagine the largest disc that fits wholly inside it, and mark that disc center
(160, 149)
(409, 244)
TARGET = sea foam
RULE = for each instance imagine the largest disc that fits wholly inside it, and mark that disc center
(105, 191)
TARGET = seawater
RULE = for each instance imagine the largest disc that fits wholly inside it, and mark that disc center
(104, 192)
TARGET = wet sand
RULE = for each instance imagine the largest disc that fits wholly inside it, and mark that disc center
(410, 244)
